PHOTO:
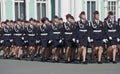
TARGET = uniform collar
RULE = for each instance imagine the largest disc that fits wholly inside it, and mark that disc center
(97, 21)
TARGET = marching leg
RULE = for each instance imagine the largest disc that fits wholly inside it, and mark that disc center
(84, 55)
(114, 53)
(100, 51)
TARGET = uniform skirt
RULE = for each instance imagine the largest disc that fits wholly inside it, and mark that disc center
(83, 42)
(31, 41)
(44, 42)
(112, 42)
(17, 41)
(68, 43)
(7, 42)
(98, 43)
(56, 43)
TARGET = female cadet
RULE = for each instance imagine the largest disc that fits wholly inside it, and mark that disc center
(82, 36)
(7, 39)
(68, 37)
(112, 34)
(44, 37)
(38, 45)
(57, 38)
(118, 39)
(1, 36)
(17, 38)
(97, 35)
(31, 39)
(61, 22)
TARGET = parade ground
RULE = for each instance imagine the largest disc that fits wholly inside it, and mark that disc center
(10, 66)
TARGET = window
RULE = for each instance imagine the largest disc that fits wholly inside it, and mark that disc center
(41, 8)
(112, 7)
(91, 7)
(19, 9)
(0, 12)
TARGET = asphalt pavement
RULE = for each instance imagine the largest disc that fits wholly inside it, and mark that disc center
(10, 66)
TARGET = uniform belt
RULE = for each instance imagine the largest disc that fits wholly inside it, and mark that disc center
(111, 30)
(97, 30)
(56, 32)
(25, 41)
(68, 33)
(18, 34)
(44, 34)
(83, 30)
(31, 34)
(7, 34)
(24, 34)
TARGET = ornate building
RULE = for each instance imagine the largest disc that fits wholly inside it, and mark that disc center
(25, 9)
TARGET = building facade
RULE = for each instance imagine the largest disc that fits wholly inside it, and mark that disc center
(13, 9)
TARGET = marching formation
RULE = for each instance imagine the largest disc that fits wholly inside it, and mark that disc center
(62, 40)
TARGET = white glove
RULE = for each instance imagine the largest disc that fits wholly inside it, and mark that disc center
(25, 41)
(1, 41)
(60, 41)
(50, 41)
(118, 40)
(11, 40)
(77, 41)
(90, 40)
(22, 38)
(37, 41)
(110, 38)
(73, 39)
(105, 40)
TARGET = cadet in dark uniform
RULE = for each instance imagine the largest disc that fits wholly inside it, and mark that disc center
(38, 45)
(7, 39)
(69, 37)
(12, 51)
(1, 36)
(112, 34)
(25, 39)
(31, 39)
(56, 38)
(82, 35)
(44, 37)
(61, 22)
(17, 38)
(118, 39)
(74, 45)
(97, 35)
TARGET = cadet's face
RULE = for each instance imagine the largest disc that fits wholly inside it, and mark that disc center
(32, 22)
(97, 16)
(39, 24)
(1, 24)
(56, 20)
(83, 16)
(47, 22)
(72, 20)
(61, 21)
(22, 23)
(69, 19)
(19, 22)
(8, 23)
(111, 16)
